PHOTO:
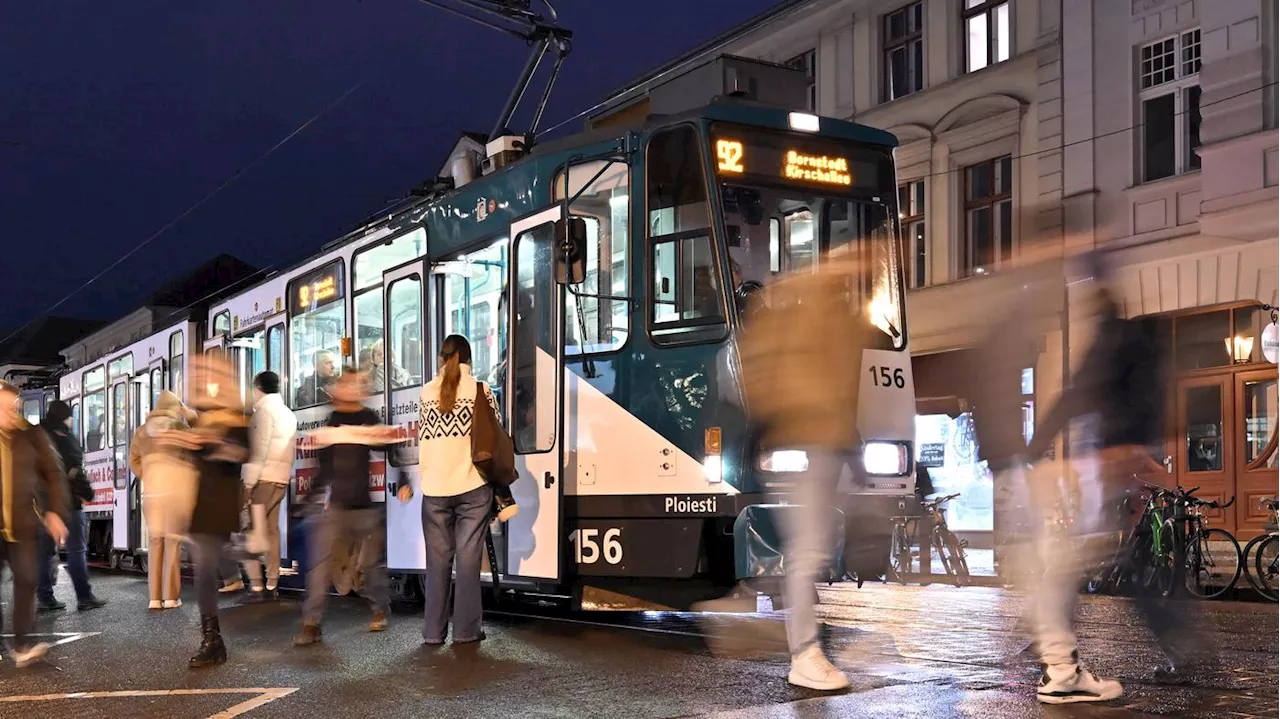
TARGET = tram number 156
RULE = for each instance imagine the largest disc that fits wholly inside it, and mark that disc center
(590, 545)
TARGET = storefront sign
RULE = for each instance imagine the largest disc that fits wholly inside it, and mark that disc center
(1271, 342)
(932, 454)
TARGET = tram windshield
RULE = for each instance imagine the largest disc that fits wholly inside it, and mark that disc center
(789, 201)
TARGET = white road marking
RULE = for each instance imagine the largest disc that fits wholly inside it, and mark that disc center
(65, 637)
(264, 696)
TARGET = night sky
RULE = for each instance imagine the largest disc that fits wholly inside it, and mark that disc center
(116, 116)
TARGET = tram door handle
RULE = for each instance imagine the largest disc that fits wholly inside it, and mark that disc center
(547, 480)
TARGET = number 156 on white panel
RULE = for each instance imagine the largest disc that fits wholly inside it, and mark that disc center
(589, 545)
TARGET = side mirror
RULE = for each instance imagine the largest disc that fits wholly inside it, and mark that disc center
(750, 295)
(571, 250)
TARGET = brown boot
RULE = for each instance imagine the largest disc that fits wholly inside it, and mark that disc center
(310, 635)
(379, 622)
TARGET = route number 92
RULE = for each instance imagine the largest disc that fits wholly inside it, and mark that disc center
(590, 545)
(885, 377)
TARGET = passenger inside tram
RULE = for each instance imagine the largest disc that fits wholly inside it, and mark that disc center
(314, 388)
(374, 366)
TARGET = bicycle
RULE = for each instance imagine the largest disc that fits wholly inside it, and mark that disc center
(900, 553)
(1265, 569)
(1147, 555)
(1200, 562)
(950, 548)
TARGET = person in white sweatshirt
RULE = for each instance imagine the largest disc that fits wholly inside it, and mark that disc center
(272, 438)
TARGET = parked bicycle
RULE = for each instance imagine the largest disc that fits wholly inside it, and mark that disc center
(1211, 557)
(1263, 573)
(949, 547)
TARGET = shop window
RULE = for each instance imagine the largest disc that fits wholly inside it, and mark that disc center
(473, 286)
(598, 314)
(988, 33)
(1260, 424)
(1203, 340)
(317, 324)
(1204, 428)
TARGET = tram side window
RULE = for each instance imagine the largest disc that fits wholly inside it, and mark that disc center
(533, 424)
(175, 363)
(221, 324)
(119, 414)
(598, 318)
(685, 302)
(275, 349)
(316, 327)
(473, 286)
(75, 420)
(404, 328)
(248, 357)
(367, 269)
(157, 385)
(95, 409)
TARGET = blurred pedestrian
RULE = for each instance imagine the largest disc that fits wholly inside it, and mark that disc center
(32, 499)
(273, 434)
(220, 437)
(57, 425)
(810, 323)
(345, 443)
(169, 482)
(457, 502)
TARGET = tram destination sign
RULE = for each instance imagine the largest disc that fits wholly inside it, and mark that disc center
(316, 288)
(791, 159)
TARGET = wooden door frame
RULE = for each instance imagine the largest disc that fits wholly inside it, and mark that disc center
(1253, 480)
(1213, 485)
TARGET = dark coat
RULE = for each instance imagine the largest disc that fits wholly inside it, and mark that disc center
(72, 457)
(219, 497)
(38, 483)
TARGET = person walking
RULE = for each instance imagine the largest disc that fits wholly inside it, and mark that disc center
(344, 444)
(273, 434)
(57, 425)
(29, 473)
(220, 438)
(810, 323)
(168, 494)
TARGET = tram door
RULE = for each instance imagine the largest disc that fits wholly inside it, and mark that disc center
(408, 345)
(140, 405)
(121, 434)
(534, 395)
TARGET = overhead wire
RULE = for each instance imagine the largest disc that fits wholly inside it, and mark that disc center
(194, 206)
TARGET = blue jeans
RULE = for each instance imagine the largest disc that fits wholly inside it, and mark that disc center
(340, 526)
(454, 528)
(77, 565)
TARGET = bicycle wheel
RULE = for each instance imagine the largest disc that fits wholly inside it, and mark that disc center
(958, 562)
(1265, 567)
(1212, 563)
(900, 554)
(1246, 555)
(940, 546)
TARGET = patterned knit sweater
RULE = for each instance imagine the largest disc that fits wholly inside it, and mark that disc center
(445, 468)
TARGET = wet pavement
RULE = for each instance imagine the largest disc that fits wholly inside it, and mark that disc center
(935, 651)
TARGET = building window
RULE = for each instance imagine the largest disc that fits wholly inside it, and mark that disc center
(807, 62)
(988, 209)
(988, 33)
(904, 51)
(1169, 92)
(915, 250)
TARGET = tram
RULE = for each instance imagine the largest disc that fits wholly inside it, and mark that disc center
(109, 398)
(599, 279)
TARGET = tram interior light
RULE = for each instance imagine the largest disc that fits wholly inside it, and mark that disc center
(803, 122)
(884, 458)
(785, 460)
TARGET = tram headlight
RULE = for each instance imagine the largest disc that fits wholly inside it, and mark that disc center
(785, 460)
(885, 459)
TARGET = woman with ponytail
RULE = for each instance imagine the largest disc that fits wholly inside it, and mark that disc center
(456, 500)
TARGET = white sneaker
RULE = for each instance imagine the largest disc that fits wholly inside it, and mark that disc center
(810, 669)
(1070, 683)
(30, 655)
(155, 604)
(172, 603)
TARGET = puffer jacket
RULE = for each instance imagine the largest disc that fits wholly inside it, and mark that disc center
(273, 435)
(802, 361)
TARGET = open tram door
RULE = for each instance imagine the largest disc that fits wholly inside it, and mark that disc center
(149, 386)
(139, 406)
(534, 397)
(119, 414)
(410, 345)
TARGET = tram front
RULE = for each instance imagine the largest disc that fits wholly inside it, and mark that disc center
(788, 198)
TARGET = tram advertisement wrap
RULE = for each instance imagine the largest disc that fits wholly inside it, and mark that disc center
(102, 480)
(306, 463)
